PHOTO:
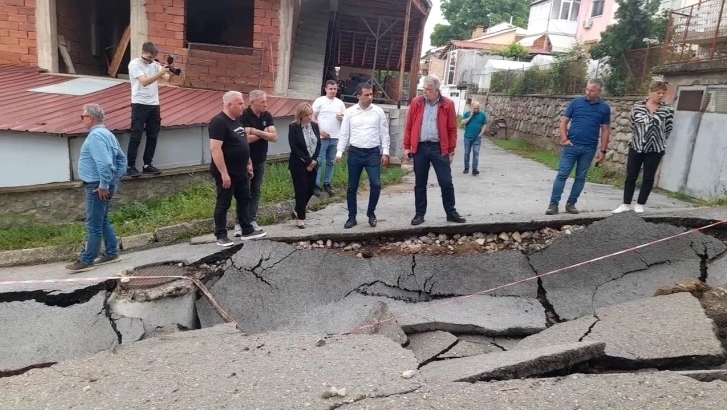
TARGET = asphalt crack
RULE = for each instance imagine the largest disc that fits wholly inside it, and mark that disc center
(259, 269)
(590, 328)
(551, 316)
(386, 395)
(106, 311)
(53, 298)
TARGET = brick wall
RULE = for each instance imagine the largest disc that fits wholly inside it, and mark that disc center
(216, 70)
(74, 24)
(17, 32)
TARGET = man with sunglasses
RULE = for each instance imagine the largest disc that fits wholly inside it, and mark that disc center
(100, 167)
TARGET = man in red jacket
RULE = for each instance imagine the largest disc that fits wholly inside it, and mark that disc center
(430, 138)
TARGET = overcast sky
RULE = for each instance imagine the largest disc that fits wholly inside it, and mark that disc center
(435, 16)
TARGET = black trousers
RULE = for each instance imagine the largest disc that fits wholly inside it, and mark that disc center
(304, 182)
(144, 118)
(650, 161)
(240, 190)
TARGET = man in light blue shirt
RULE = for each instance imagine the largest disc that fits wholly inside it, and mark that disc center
(100, 167)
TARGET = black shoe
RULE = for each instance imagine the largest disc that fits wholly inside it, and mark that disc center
(372, 219)
(418, 220)
(132, 172)
(329, 190)
(552, 209)
(466, 171)
(456, 218)
(224, 241)
(475, 172)
(150, 170)
(255, 234)
(317, 191)
(351, 222)
(571, 208)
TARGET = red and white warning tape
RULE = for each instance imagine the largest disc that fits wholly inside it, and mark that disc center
(85, 280)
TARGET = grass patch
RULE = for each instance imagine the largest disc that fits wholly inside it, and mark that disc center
(600, 175)
(196, 202)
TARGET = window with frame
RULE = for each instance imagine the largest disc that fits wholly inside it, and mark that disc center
(451, 66)
(221, 22)
(565, 10)
(597, 8)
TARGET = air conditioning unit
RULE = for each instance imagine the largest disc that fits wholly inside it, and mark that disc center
(587, 23)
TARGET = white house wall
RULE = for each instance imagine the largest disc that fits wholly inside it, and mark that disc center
(33, 159)
(540, 21)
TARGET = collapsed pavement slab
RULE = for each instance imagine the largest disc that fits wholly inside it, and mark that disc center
(662, 331)
(219, 368)
(514, 364)
(463, 349)
(487, 315)
(272, 286)
(632, 391)
(428, 345)
(43, 327)
(576, 292)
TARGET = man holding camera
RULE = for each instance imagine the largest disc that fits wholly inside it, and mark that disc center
(144, 72)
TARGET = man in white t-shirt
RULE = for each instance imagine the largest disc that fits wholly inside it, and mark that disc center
(328, 112)
(144, 73)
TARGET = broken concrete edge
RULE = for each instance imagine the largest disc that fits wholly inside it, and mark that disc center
(182, 232)
(553, 222)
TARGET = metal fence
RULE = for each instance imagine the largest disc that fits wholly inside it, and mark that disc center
(696, 32)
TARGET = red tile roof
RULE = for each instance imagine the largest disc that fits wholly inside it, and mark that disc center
(35, 112)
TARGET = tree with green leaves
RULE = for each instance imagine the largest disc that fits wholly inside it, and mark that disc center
(465, 15)
(636, 20)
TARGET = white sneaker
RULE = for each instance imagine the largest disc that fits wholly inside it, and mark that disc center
(620, 209)
(639, 208)
(255, 227)
(238, 231)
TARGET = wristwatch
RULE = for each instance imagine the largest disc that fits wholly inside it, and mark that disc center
(604, 151)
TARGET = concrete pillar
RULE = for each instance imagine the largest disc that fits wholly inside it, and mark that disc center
(46, 26)
(138, 26)
(284, 46)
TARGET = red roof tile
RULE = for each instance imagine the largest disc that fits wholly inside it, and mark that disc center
(35, 112)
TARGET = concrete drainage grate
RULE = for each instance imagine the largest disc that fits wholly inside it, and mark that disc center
(140, 279)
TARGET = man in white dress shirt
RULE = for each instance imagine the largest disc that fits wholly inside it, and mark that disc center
(366, 130)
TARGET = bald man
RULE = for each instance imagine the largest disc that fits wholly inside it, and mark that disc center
(474, 128)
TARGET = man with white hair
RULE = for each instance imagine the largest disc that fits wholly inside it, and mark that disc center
(260, 130)
(430, 137)
(231, 168)
(101, 165)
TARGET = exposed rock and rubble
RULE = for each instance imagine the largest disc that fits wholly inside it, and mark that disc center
(381, 325)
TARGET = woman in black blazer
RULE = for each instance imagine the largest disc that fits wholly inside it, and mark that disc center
(305, 145)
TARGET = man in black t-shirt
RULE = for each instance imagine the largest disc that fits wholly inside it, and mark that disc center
(260, 130)
(231, 168)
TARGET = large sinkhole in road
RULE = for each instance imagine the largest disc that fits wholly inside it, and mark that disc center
(327, 287)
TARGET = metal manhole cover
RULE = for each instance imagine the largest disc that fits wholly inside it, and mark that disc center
(139, 279)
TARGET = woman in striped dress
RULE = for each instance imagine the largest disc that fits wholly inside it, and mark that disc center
(651, 125)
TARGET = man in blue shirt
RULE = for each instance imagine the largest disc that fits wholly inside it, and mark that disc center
(474, 126)
(589, 117)
(100, 167)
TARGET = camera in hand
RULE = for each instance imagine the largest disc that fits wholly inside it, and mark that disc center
(170, 65)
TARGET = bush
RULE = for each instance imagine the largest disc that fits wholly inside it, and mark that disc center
(532, 81)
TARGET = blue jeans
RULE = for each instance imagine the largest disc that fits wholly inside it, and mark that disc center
(98, 226)
(580, 157)
(429, 153)
(358, 160)
(328, 153)
(472, 144)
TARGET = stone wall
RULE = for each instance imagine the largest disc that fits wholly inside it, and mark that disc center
(536, 118)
